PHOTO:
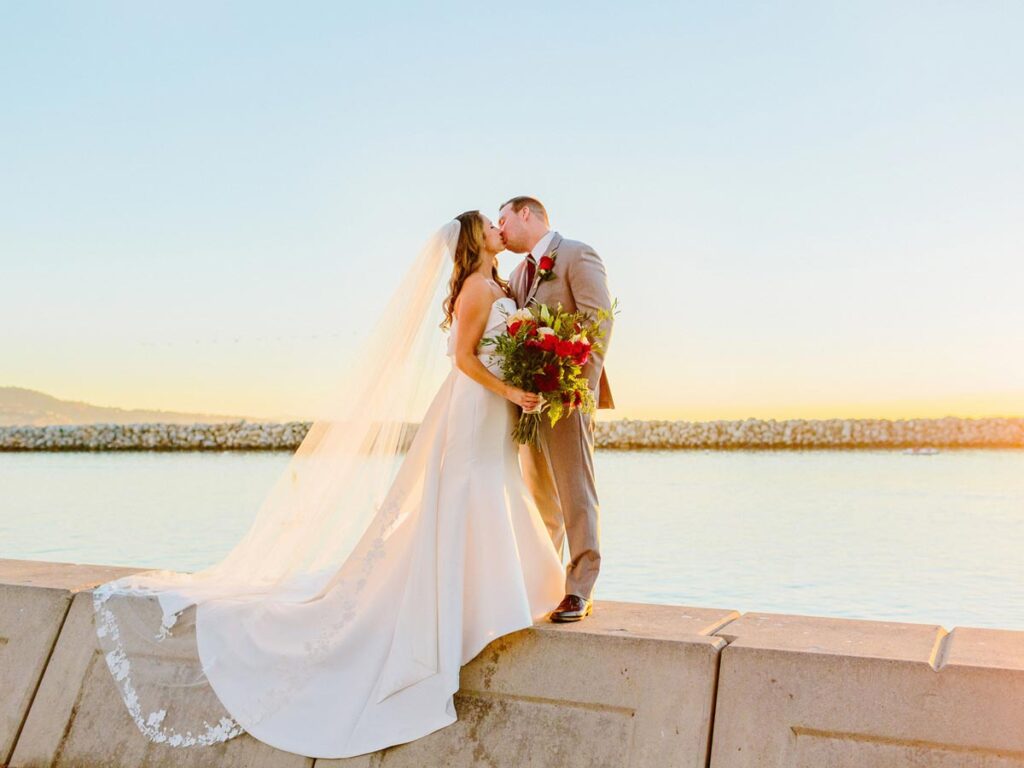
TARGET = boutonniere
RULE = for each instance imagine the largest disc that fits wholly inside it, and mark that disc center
(546, 266)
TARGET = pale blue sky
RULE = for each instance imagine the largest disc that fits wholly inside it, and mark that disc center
(806, 209)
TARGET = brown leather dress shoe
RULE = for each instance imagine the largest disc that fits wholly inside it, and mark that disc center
(572, 608)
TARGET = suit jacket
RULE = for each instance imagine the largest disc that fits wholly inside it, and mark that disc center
(579, 283)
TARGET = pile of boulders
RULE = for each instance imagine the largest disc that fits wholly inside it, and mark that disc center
(947, 432)
(624, 434)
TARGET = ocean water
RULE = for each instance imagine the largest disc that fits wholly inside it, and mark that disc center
(865, 534)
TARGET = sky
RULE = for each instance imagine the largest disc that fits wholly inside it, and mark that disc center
(806, 209)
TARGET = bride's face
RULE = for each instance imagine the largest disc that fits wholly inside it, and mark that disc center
(492, 236)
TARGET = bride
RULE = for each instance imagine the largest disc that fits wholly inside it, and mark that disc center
(379, 563)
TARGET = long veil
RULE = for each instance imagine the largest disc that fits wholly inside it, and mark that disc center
(340, 494)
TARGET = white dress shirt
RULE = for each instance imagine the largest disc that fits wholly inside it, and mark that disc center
(542, 245)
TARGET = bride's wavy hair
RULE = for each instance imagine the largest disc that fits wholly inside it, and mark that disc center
(468, 252)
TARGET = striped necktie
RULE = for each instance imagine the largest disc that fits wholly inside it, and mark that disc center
(531, 268)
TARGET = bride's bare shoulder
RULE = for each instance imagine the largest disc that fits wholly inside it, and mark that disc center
(480, 287)
(476, 292)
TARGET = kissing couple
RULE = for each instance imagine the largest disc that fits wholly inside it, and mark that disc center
(388, 555)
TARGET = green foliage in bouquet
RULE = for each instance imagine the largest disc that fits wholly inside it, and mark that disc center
(545, 351)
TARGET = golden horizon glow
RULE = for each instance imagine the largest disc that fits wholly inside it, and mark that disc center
(246, 403)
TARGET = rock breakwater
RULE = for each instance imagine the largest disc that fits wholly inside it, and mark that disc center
(748, 434)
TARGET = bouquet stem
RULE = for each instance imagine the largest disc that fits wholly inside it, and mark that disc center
(527, 429)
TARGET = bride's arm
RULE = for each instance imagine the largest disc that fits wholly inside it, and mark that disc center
(474, 308)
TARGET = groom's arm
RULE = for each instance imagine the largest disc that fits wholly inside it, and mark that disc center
(588, 282)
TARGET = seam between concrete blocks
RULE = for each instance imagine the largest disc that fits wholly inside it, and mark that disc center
(712, 630)
(39, 682)
(940, 650)
(714, 701)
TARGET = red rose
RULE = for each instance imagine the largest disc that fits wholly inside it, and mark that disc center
(545, 384)
(546, 262)
(564, 348)
(548, 342)
(582, 357)
(547, 381)
(532, 331)
(513, 329)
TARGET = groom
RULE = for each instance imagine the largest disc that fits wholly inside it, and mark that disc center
(560, 473)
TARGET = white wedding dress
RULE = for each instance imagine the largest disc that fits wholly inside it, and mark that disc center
(470, 561)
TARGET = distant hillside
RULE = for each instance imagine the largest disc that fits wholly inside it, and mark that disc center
(27, 407)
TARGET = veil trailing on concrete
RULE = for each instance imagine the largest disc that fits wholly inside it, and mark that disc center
(319, 530)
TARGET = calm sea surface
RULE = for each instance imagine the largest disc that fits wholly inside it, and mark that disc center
(866, 534)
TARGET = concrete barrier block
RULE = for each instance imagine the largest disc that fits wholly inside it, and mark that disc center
(68, 577)
(78, 718)
(637, 685)
(802, 691)
(630, 685)
(34, 599)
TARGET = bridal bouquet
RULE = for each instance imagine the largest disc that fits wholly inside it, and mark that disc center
(544, 351)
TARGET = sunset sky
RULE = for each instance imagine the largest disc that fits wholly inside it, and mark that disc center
(806, 209)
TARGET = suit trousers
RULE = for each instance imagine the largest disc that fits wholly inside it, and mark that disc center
(560, 475)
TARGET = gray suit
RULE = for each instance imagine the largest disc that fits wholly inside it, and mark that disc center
(560, 473)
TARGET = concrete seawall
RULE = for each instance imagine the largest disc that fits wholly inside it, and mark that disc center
(634, 685)
(624, 435)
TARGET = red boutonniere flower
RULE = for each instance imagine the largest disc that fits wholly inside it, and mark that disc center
(546, 266)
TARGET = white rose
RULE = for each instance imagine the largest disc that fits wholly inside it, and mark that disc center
(519, 316)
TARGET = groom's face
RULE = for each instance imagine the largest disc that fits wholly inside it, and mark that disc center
(513, 228)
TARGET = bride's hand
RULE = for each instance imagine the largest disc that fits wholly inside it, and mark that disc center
(528, 401)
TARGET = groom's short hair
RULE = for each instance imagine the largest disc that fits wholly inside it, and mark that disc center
(524, 201)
